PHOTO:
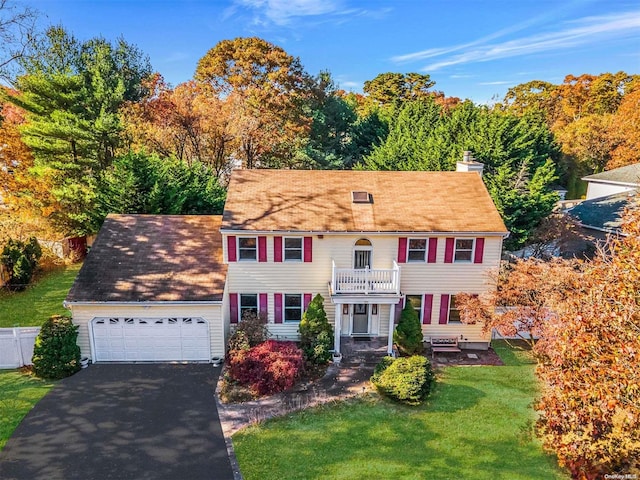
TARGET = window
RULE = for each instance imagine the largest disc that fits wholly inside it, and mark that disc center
(417, 249)
(248, 303)
(292, 308)
(464, 250)
(293, 249)
(454, 313)
(416, 303)
(247, 248)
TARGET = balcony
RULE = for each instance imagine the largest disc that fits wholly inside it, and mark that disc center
(365, 281)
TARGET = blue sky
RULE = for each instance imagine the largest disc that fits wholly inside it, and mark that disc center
(472, 48)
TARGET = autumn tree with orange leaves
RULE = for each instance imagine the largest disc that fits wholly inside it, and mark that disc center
(188, 122)
(590, 366)
(264, 89)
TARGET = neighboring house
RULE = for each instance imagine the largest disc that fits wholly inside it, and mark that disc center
(612, 182)
(603, 214)
(365, 241)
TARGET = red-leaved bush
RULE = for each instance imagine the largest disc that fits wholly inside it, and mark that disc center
(270, 367)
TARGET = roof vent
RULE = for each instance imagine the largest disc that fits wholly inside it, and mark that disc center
(361, 197)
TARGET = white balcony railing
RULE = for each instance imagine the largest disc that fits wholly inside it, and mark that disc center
(365, 281)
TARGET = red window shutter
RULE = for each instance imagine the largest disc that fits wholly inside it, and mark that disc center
(448, 251)
(262, 249)
(308, 249)
(263, 304)
(307, 301)
(277, 307)
(433, 250)
(426, 308)
(402, 250)
(233, 307)
(277, 249)
(477, 257)
(231, 249)
(399, 307)
(444, 309)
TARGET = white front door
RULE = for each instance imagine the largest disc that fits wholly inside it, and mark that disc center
(150, 339)
(360, 319)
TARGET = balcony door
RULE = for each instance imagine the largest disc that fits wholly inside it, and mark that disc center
(362, 254)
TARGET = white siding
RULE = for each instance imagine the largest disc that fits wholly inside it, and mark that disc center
(416, 278)
(83, 314)
(597, 190)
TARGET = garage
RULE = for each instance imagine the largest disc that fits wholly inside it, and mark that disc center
(122, 339)
(151, 290)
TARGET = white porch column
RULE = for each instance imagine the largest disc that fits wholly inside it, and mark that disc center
(392, 319)
(337, 328)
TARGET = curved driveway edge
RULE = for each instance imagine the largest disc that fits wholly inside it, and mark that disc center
(138, 422)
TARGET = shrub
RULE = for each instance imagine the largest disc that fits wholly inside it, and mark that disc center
(408, 334)
(316, 333)
(381, 367)
(270, 367)
(21, 260)
(250, 331)
(56, 354)
(407, 380)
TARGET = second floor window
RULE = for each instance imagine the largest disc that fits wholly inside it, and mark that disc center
(247, 248)
(464, 250)
(293, 249)
(417, 250)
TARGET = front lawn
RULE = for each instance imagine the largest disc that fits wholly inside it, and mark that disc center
(18, 394)
(38, 302)
(477, 424)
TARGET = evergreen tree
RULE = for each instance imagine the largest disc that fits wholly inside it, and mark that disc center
(408, 333)
(517, 151)
(316, 333)
(72, 92)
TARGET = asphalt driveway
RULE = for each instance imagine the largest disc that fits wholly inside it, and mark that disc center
(132, 422)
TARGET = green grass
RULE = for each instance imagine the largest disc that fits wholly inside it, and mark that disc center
(19, 392)
(476, 425)
(38, 302)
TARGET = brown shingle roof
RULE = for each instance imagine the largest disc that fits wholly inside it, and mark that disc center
(153, 258)
(321, 201)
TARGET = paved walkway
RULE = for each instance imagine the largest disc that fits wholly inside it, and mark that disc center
(125, 422)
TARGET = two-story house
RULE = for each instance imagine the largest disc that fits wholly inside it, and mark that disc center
(171, 287)
(366, 241)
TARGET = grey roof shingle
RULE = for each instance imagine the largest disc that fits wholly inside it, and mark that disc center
(604, 213)
(629, 175)
(138, 258)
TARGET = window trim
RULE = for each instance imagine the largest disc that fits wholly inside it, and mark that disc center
(421, 307)
(239, 249)
(284, 250)
(285, 307)
(451, 301)
(241, 308)
(424, 251)
(455, 249)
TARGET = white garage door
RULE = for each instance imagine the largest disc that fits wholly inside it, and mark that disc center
(150, 339)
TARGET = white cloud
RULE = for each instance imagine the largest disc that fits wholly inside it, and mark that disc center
(580, 32)
(497, 82)
(281, 12)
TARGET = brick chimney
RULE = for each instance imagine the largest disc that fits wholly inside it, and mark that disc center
(469, 164)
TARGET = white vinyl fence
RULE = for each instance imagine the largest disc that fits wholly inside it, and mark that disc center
(16, 346)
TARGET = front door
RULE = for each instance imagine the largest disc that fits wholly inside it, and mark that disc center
(360, 324)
